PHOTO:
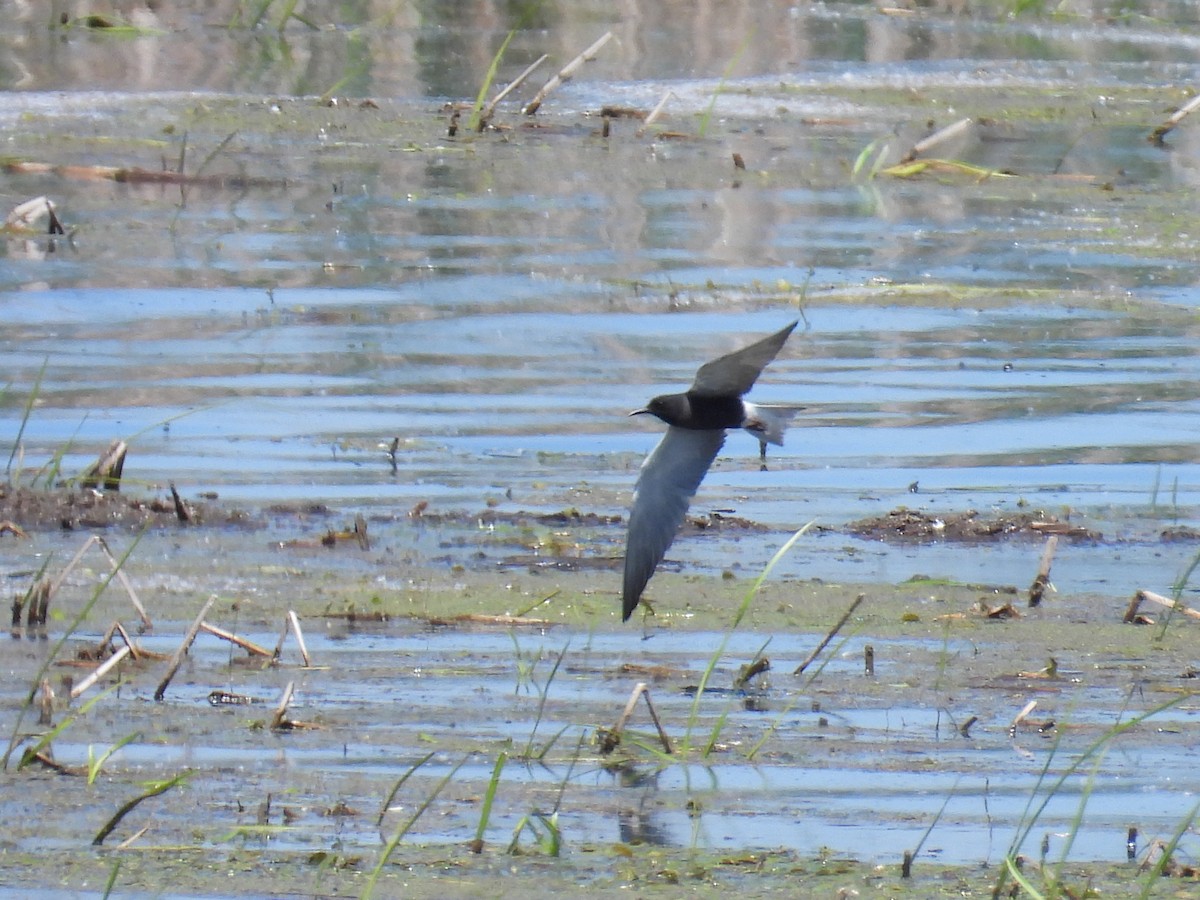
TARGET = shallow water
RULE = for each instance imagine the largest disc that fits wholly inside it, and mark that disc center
(498, 302)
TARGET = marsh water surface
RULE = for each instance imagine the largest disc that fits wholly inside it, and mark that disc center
(1017, 336)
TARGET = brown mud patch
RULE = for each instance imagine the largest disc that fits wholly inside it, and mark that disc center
(911, 525)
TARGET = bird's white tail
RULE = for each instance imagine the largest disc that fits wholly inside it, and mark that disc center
(768, 422)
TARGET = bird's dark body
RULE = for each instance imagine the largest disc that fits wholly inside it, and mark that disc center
(698, 412)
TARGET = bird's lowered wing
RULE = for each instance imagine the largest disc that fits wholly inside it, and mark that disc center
(735, 373)
(668, 481)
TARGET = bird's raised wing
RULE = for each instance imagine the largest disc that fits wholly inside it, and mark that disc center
(735, 373)
(665, 487)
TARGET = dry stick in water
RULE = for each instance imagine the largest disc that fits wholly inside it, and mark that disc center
(829, 637)
(1042, 581)
(39, 605)
(181, 510)
(1156, 136)
(1131, 612)
(177, 659)
(936, 138)
(1021, 716)
(101, 670)
(45, 703)
(278, 721)
(565, 74)
(655, 113)
(107, 469)
(248, 646)
(613, 737)
(112, 561)
(116, 628)
(491, 107)
(295, 623)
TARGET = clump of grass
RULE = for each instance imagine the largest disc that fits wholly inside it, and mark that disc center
(395, 840)
(1051, 876)
(528, 752)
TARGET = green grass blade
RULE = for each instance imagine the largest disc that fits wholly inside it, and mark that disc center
(489, 797)
(712, 101)
(95, 767)
(156, 788)
(545, 692)
(404, 829)
(400, 783)
(1155, 875)
(29, 402)
(473, 122)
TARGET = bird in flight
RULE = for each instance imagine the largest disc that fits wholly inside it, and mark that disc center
(697, 420)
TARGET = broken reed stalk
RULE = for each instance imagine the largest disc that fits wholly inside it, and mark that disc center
(249, 646)
(177, 659)
(101, 670)
(612, 738)
(278, 652)
(938, 137)
(107, 469)
(486, 115)
(116, 628)
(117, 570)
(39, 605)
(125, 845)
(655, 113)
(45, 703)
(278, 721)
(181, 510)
(1021, 716)
(1042, 581)
(1157, 135)
(26, 215)
(565, 74)
(1131, 612)
(829, 637)
(294, 621)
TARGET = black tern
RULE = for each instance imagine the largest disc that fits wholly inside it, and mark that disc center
(698, 419)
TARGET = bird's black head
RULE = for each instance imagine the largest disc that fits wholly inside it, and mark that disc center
(671, 408)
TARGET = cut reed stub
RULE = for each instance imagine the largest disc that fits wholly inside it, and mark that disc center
(106, 471)
(610, 739)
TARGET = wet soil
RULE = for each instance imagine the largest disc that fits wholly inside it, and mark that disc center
(412, 657)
